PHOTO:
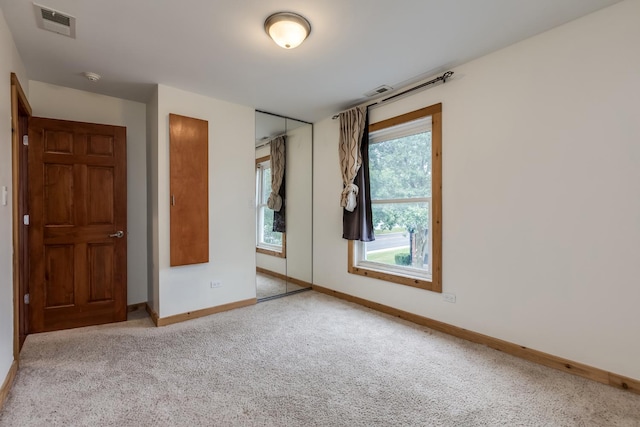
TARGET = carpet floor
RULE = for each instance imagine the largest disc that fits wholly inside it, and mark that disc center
(304, 360)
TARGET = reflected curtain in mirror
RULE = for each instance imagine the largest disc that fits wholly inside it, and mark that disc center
(277, 197)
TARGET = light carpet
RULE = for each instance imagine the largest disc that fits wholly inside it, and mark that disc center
(303, 360)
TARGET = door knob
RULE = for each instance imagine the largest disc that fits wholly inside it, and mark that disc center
(119, 234)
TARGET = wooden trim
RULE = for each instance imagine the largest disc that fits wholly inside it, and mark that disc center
(15, 168)
(284, 277)
(263, 159)
(164, 321)
(405, 118)
(270, 253)
(19, 104)
(436, 201)
(282, 254)
(8, 383)
(136, 307)
(21, 96)
(152, 314)
(271, 273)
(535, 356)
(624, 383)
(385, 275)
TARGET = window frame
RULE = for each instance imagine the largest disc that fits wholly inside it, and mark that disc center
(265, 248)
(435, 257)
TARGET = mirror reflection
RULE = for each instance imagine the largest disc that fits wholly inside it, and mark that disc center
(284, 172)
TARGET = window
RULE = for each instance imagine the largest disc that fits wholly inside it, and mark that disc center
(405, 169)
(268, 241)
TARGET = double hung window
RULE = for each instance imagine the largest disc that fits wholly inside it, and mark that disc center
(268, 241)
(405, 175)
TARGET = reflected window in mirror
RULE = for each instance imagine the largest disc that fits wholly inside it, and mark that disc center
(268, 242)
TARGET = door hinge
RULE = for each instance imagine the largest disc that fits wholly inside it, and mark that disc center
(25, 139)
(25, 219)
(27, 298)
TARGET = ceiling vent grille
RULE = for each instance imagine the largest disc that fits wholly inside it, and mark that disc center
(52, 20)
(379, 90)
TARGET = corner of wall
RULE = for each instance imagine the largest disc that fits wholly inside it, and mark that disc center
(152, 202)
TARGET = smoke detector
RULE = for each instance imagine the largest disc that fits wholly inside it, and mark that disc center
(53, 20)
(92, 76)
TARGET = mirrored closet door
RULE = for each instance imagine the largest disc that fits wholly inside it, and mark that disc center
(284, 173)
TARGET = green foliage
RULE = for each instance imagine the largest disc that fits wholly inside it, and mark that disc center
(385, 256)
(403, 258)
(401, 169)
(270, 236)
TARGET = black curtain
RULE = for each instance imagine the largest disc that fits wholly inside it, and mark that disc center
(279, 223)
(358, 225)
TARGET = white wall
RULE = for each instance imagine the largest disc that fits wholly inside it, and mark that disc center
(541, 160)
(231, 210)
(153, 288)
(9, 62)
(57, 102)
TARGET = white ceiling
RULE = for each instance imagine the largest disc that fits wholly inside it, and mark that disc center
(219, 48)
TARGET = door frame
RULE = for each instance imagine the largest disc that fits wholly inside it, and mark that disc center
(20, 108)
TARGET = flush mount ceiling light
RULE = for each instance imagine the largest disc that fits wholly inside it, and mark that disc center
(93, 77)
(287, 29)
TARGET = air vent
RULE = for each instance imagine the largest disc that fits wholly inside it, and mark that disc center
(378, 91)
(53, 20)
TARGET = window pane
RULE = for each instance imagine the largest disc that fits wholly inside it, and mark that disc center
(268, 235)
(266, 184)
(402, 236)
(401, 168)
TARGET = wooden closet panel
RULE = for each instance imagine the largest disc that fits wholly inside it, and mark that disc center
(189, 187)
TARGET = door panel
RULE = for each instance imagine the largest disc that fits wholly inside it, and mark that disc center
(100, 203)
(78, 200)
(58, 142)
(58, 275)
(101, 267)
(189, 186)
(58, 196)
(100, 145)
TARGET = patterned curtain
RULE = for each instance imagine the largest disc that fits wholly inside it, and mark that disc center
(351, 131)
(358, 225)
(277, 172)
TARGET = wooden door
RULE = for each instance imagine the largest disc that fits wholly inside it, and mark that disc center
(77, 234)
(189, 186)
(23, 209)
(20, 113)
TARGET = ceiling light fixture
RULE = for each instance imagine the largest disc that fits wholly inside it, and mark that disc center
(92, 76)
(287, 29)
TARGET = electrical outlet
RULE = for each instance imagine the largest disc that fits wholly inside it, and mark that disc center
(215, 284)
(449, 298)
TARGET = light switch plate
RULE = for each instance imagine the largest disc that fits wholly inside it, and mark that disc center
(5, 193)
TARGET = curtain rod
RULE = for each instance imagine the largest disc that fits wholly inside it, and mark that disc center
(443, 78)
(268, 140)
